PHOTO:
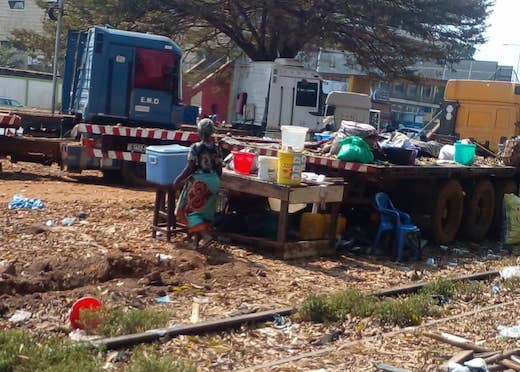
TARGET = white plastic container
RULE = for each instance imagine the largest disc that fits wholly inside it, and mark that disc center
(267, 168)
(293, 137)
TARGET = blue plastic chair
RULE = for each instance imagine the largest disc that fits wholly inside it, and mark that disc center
(391, 219)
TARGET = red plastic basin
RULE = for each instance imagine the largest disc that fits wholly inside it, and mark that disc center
(243, 162)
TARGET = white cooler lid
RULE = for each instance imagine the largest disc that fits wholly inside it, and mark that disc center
(167, 149)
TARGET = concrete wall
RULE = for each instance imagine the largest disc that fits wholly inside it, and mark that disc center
(31, 92)
(31, 18)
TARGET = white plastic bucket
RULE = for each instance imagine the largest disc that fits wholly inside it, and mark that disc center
(293, 137)
(267, 168)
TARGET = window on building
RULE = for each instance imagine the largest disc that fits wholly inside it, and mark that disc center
(427, 91)
(16, 4)
(412, 89)
(306, 94)
(398, 87)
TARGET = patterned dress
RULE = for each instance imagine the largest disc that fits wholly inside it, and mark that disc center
(198, 199)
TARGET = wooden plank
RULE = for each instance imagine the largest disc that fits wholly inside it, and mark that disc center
(254, 187)
(415, 287)
(462, 345)
(510, 364)
(313, 194)
(503, 355)
(460, 358)
(303, 249)
(190, 329)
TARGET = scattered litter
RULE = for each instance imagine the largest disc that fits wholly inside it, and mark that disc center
(328, 338)
(68, 221)
(163, 300)
(453, 264)
(21, 202)
(20, 316)
(197, 307)
(444, 248)
(50, 223)
(281, 322)
(510, 272)
(474, 365)
(163, 257)
(495, 289)
(81, 335)
(82, 215)
(509, 332)
(431, 262)
(493, 257)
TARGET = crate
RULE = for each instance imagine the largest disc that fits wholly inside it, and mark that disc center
(165, 163)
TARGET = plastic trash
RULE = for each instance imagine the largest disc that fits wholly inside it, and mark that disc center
(495, 289)
(82, 215)
(50, 223)
(68, 221)
(447, 152)
(20, 316)
(510, 272)
(430, 261)
(355, 149)
(281, 322)
(509, 332)
(473, 365)
(163, 300)
(21, 202)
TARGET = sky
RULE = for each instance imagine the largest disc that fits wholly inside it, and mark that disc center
(502, 29)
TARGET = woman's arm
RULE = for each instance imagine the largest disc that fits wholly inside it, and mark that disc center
(185, 174)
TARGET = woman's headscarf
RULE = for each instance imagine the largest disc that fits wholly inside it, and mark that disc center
(206, 128)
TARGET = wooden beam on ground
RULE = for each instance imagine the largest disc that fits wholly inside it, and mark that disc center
(462, 345)
(189, 329)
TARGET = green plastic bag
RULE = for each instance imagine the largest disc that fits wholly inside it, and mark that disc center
(355, 149)
(512, 219)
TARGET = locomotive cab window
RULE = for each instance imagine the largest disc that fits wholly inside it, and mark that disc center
(157, 70)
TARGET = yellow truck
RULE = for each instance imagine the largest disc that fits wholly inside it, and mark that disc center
(486, 111)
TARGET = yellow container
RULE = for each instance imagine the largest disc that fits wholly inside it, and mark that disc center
(290, 167)
(341, 224)
(312, 226)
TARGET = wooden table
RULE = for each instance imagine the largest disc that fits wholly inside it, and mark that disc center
(330, 193)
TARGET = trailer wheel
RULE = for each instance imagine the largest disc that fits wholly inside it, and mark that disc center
(134, 174)
(479, 211)
(447, 215)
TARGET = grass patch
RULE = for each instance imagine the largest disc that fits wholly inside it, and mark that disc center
(512, 284)
(403, 311)
(145, 359)
(115, 322)
(21, 352)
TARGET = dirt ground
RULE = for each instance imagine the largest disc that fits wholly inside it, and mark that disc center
(108, 252)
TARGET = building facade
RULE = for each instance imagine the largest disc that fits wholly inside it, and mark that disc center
(19, 14)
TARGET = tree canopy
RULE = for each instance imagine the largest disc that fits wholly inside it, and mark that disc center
(385, 36)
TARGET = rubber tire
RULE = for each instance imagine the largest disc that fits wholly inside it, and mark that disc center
(134, 174)
(479, 211)
(447, 212)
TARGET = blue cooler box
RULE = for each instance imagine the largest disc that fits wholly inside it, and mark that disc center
(165, 163)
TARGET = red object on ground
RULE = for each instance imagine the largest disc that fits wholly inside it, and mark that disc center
(243, 162)
(90, 303)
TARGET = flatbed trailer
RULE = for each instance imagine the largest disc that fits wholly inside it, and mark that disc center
(446, 201)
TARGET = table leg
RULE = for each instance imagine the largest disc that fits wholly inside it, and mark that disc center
(282, 221)
(333, 224)
(156, 209)
(170, 219)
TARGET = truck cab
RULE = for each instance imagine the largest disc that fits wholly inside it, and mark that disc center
(120, 76)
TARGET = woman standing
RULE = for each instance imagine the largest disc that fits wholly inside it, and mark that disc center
(201, 180)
